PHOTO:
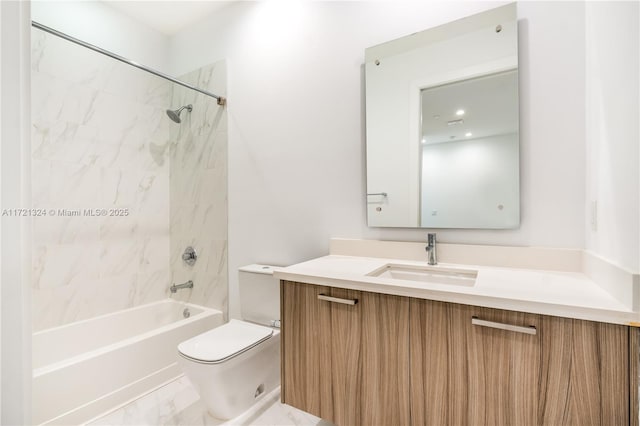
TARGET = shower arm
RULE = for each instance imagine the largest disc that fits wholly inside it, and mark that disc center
(220, 100)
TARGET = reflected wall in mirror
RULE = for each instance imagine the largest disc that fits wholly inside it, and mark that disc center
(442, 126)
(470, 149)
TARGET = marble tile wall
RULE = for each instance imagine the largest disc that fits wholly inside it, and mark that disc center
(198, 187)
(100, 141)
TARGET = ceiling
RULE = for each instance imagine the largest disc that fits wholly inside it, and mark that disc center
(167, 17)
(489, 106)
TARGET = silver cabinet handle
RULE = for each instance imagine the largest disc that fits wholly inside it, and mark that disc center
(518, 329)
(337, 300)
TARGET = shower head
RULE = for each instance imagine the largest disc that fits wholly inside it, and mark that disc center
(175, 114)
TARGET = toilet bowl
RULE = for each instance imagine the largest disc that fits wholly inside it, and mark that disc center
(236, 364)
(232, 366)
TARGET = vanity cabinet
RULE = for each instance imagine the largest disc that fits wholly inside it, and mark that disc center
(392, 360)
(345, 354)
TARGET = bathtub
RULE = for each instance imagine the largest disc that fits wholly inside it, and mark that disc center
(84, 369)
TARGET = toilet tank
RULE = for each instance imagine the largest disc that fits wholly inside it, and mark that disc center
(259, 294)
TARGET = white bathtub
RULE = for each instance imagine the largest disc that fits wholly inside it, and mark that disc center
(89, 367)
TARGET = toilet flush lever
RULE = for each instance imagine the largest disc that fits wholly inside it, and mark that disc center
(189, 256)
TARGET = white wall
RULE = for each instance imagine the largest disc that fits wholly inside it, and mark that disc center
(296, 154)
(15, 148)
(613, 147)
(99, 24)
(471, 183)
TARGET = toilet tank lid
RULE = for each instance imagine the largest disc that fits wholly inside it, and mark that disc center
(257, 268)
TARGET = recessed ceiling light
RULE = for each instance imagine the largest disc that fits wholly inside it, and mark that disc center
(468, 134)
(460, 112)
(424, 141)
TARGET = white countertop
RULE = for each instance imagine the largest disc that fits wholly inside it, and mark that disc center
(563, 294)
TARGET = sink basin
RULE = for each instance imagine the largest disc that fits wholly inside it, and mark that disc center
(427, 274)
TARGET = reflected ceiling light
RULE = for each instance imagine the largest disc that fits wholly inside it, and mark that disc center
(468, 134)
(460, 112)
(424, 140)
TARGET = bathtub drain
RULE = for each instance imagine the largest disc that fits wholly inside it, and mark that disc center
(186, 313)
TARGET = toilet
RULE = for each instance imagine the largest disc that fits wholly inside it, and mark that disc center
(235, 365)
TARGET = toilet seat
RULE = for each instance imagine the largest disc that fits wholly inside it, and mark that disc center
(224, 342)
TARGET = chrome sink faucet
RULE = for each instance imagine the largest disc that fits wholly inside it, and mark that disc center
(174, 288)
(431, 249)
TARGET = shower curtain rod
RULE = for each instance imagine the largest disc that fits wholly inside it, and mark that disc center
(221, 100)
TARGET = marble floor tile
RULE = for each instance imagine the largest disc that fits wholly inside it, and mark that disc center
(177, 403)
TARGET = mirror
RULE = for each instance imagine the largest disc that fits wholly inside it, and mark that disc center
(442, 126)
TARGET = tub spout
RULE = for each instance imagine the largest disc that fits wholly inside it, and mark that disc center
(174, 288)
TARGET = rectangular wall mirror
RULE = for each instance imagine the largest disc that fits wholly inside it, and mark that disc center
(442, 126)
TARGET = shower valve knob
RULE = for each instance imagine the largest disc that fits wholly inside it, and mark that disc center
(189, 256)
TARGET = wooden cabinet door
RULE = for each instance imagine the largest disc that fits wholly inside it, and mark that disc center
(305, 348)
(385, 360)
(571, 372)
(504, 365)
(346, 363)
(585, 373)
(345, 356)
(466, 374)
